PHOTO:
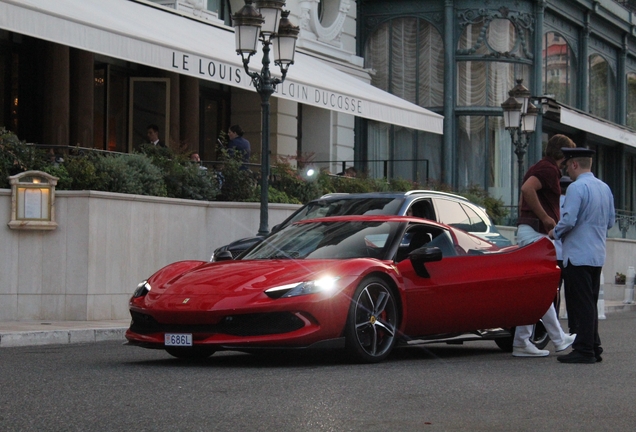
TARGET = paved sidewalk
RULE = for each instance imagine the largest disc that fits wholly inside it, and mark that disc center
(30, 333)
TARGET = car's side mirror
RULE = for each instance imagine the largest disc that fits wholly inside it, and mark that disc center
(223, 256)
(423, 255)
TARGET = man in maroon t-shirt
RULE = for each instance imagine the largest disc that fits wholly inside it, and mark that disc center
(538, 214)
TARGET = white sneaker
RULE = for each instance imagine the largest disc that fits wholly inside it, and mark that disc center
(567, 342)
(529, 351)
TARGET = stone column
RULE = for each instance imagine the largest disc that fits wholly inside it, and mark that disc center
(172, 137)
(190, 118)
(621, 80)
(449, 150)
(535, 152)
(584, 66)
(56, 98)
(82, 98)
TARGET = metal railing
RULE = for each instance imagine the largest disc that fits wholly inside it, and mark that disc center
(386, 165)
(624, 227)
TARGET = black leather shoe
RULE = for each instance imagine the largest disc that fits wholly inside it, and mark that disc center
(597, 353)
(576, 357)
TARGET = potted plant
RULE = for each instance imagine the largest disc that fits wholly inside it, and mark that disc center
(619, 279)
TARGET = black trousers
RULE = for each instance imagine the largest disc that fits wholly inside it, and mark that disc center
(581, 297)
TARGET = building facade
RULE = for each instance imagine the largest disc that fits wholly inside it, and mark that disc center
(96, 74)
(375, 82)
(460, 58)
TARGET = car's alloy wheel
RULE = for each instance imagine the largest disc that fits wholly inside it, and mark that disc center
(372, 321)
(190, 353)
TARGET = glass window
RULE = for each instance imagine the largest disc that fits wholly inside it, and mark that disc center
(452, 213)
(470, 39)
(602, 88)
(407, 56)
(471, 149)
(559, 69)
(477, 224)
(501, 35)
(501, 162)
(487, 83)
(459, 216)
(497, 37)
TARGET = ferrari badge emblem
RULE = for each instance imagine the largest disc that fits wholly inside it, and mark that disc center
(186, 300)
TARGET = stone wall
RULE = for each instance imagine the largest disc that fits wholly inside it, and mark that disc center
(105, 245)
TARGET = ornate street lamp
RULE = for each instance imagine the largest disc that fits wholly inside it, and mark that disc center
(520, 119)
(263, 23)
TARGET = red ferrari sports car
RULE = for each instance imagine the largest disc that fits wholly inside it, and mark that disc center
(361, 283)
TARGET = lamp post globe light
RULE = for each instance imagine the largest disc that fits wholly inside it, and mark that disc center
(265, 21)
(520, 119)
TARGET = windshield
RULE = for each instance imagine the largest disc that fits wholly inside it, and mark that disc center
(327, 240)
(346, 206)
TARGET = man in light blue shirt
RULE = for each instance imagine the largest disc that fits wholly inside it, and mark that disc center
(587, 213)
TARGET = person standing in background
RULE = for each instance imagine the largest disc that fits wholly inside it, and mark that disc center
(538, 214)
(153, 136)
(239, 145)
(588, 212)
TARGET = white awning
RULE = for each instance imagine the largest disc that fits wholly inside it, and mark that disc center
(593, 125)
(138, 33)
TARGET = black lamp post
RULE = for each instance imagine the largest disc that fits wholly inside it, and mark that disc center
(520, 118)
(263, 23)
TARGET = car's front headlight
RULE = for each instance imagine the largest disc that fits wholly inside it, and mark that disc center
(142, 289)
(322, 285)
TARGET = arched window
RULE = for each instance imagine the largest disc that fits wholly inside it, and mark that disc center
(493, 51)
(407, 59)
(602, 88)
(559, 69)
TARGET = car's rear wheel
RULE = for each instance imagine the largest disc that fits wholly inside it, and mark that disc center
(190, 353)
(539, 338)
(372, 321)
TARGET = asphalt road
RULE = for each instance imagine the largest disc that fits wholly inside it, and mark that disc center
(475, 387)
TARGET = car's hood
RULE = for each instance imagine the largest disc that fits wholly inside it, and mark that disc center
(234, 283)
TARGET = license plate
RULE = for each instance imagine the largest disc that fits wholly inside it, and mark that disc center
(175, 339)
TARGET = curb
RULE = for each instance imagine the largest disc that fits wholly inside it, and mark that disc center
(52, 337)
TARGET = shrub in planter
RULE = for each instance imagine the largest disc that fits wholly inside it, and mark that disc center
(286, 179)
(238, 183)
(131, 174)
(620, 279)
(182, 178)
(16, 157)
(83, 173)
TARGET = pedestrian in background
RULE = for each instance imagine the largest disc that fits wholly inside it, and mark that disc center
(152, 133)
(538, 214)
(238, 145)
(588, 212)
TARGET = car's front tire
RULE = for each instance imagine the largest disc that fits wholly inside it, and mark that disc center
(372, 321)
(190, 353)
